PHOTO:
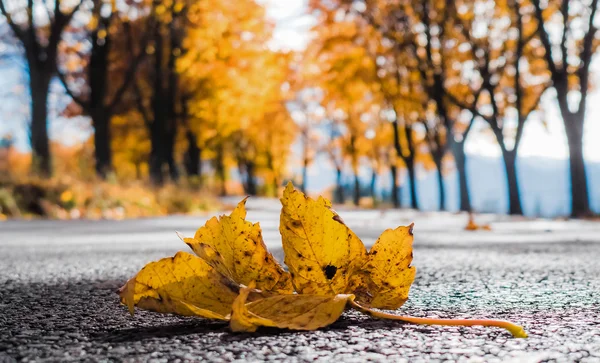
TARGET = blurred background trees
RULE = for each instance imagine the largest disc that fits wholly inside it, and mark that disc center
(195, 92)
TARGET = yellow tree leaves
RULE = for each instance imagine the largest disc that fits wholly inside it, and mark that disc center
(320, 250)
(329, 269)
(235, 248)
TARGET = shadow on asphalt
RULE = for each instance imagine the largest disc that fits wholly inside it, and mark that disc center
(202, 326)
(195, 326)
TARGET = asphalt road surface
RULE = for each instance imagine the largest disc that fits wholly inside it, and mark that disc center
(58, 301)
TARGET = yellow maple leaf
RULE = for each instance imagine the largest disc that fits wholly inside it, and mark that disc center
(184, 284)
(385, 279)
(321, 252)
(235, 248)
(290, 311)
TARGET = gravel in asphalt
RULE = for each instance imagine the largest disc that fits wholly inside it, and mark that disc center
(58, 303)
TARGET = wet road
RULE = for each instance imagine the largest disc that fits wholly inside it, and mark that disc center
(58, 301)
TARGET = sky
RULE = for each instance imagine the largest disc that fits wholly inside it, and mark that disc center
(292, 33)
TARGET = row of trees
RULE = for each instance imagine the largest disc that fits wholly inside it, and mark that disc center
(390, 82)
(429, 69)
(160, 79)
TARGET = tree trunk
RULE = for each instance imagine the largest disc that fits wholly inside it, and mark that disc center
(304, 175)
(339, 188)
(437, 159)
(250, 178)
(99, 112)
(40, 145)
(192, 156)
(220, 169)
(410, 166)
(372, 187)
(138, 171)
(514, 199)
(159, 111)
(170, 156)
(275, 183)
(171, 100)
(356, 194)
(460, 159)
(580, 206)
(156, 163)
(395, 188)
(102, 139)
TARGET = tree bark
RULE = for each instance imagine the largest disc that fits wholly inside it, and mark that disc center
(99, 112)
(580, 206)
(372, 187)
(192, 156)
(460, 159)
(102, 141)
(250, 178)
(437, 159)
(339, 188)
(170, 155)
(304, 175)
(410, 166)
(220, 170)
(395, 188)
(356, 194)
(40, 145)
(514, 198)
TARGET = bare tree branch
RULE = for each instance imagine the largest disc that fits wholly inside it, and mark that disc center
(132, 70)
(15, 28)
(545, 38)
(586, 56)
(85, 105)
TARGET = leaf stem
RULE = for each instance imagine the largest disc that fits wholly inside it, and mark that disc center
(516, 330)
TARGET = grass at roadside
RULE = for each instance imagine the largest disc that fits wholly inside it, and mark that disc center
(71, 199)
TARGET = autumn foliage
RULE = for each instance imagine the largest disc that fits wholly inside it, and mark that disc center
(199, 90)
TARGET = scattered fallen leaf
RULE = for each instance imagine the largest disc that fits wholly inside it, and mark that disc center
(472, 226)
(329, 267)
(385, 279)
(291, 311)
(235, 248)
(321, 252)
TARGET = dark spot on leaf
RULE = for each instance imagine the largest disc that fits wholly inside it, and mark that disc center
(300, 255)
(330, 271)
(247, 254)
(309, 269)
(373, 253)
(266, 258)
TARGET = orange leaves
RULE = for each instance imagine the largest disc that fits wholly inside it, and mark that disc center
(329, 269)
(472, 226)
